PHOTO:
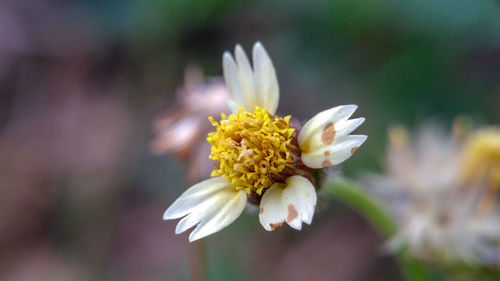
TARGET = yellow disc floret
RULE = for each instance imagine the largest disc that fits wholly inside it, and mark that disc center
(482, 157)
(251, 148)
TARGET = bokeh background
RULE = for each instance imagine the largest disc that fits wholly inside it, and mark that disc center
(81, 194)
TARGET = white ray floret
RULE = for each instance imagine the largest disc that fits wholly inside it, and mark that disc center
(211, 205)
(325, 141)
(292, 202)
(251, 87)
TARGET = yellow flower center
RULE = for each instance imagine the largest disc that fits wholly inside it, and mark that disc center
(251, 148)
(482, 157)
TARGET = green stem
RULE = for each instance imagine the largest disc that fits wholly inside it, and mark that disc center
(361, 201)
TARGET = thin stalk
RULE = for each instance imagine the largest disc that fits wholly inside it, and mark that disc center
(198, 263)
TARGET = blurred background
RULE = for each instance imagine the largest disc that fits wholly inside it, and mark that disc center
(81, 82)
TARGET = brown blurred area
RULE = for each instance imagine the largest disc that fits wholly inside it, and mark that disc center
(69, 210)
(82, 84)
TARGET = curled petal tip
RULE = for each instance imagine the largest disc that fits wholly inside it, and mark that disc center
(239, 48)
(226, 56)
(258, 44)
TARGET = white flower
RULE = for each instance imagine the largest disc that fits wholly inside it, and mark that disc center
(439, 215)
(180, 129)
(261, 156)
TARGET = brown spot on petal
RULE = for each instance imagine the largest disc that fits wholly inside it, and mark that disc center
(261, 210)
(326, 163)
(328, 134)
(327, 153)
(275, 225)
(354, 149)
(292, 213)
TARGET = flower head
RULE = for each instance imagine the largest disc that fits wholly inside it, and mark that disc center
(438, 210)
(262, 157)
(251, 149)
(180, 129)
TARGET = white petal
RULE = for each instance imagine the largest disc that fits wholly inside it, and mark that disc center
(245, 77)
(266, 82)
(324, 140)
(252, 87)
(232, 105)
(345, 127)
(334, 154)
(232, 81)
(338, 113)
(293, 202)
(211, 205)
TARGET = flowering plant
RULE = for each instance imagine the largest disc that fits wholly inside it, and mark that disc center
(263, 158)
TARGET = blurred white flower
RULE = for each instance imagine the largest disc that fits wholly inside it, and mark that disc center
(438, 213)
(261, 156)
(181, 128)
